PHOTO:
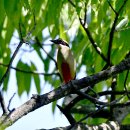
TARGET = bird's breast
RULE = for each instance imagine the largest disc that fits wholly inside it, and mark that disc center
(66, 72)
(65, 52)
(66, 63)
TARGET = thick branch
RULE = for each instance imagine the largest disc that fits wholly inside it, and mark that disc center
(64, 90)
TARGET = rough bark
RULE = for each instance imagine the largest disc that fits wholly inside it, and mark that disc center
(38, 101)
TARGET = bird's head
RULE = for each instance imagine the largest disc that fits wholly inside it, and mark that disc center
(60, 42)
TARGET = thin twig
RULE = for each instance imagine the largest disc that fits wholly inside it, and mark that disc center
(127, 74)
(20, 32)
(106, 93)
(101, 108)
(67, 114)
(31, 72)
(111, 36)
(5, 75)
(79, 98)
(85, 13)
(113, 87)
(90, 98)
(33, 28)
(4, 108)
(39, 44)
(10, 63)
(72, 3)
(2, 102)
(111, 7)
(8, 107)
(94, 44)
(91, 114)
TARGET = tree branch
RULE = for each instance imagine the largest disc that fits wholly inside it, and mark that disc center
(8, 107)
(40, 45)
(103, 93)
(67, 114)
(91, 39)
(111, 36)
(90, 98)
(120, 111)
(10, 63)
(85, 109)
(5, 110)
(127, 74)
(2, 102)
(70, 1)
(94, 44)
(31, 72)
(40, 100)
(111, 6)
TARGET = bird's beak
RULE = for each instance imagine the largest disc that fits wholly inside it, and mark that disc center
(54, 41)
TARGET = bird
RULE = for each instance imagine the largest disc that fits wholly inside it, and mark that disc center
(66, 62)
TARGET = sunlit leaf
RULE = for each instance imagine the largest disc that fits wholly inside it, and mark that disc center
(11, 12)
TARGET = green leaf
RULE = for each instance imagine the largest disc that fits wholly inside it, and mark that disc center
(52, 16)
(37, 83)
(2, 71)
(6, 81)
(11, 12)
(23, 79)
(127, 119)
(79, 43)
(36, 78)
(38, 51)
(54, 106)
(54, 80)
(46, 64)
(2, 14)
(47, 61)
(26, 4)
(20, 83)
(120, 81)
(118, 4)
(36, 6)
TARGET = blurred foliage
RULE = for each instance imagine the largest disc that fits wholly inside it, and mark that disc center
(60, 18)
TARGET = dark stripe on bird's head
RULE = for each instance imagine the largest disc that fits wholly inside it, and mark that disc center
(60, 41)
